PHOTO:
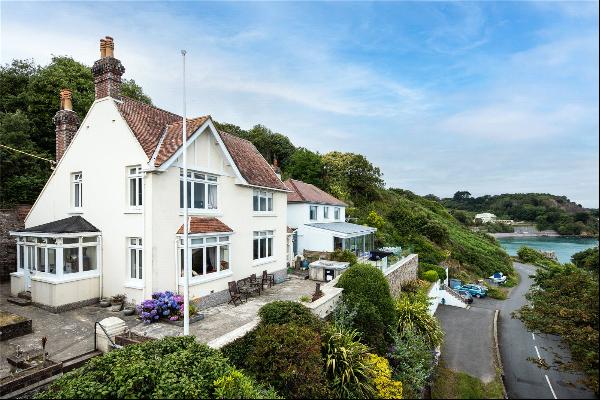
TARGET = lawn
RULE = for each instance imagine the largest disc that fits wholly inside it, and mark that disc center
(449, 384)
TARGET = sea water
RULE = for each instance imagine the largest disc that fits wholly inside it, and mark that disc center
(564, 246)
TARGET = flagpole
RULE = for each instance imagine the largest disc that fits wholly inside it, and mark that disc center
(186, 271)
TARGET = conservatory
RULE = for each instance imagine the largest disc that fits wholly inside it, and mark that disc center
(59, 263)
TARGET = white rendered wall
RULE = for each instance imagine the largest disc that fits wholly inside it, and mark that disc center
(314, 239)
(299, 214)
(102, 149)
(235, 210)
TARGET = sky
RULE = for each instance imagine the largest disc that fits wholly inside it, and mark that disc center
(489, 97)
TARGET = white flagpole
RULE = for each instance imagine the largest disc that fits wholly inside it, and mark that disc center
(186, 267)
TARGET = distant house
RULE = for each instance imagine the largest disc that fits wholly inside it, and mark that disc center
(485, 218)
(319, 222)
(110, 218)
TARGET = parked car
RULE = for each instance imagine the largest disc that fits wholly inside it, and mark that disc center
(465, 295)
(498, 278)
(474, 290)
(454, 283)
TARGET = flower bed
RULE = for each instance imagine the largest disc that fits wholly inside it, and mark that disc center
(162, 305)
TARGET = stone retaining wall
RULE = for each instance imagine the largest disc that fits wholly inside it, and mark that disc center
(402, 272)
(10, 219)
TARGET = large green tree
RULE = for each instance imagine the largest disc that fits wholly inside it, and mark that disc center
(351, 176)
(307, 166)
(29, 98)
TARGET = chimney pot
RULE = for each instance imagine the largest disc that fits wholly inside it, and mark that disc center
(102, 48)
(66, 122)
(110, 46)
(66, 100)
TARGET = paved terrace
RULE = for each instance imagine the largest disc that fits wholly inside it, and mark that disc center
(225, 318)
(72, 332)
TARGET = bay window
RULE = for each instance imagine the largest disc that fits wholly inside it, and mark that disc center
(134, 180)
(262, 245)
(262, 201)
(201, 191)
(208, 256)
(58, 256)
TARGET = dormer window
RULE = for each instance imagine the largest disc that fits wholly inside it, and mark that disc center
(262, 201)
(201, 191)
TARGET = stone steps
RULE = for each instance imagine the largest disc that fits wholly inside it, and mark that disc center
(19, 301)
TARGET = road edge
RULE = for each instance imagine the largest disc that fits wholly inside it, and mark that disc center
(497, 351)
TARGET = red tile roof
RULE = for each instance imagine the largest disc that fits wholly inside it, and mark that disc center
(147, 122)
(205, 225)
(251, 164)
(159, 131)
(303, 192)
(172, 138)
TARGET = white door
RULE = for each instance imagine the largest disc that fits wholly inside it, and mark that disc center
(29, 266)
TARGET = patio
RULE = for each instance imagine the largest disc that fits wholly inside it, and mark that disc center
(72, 332)
(225, 318)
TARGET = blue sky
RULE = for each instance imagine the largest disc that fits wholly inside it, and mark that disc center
(486, 97)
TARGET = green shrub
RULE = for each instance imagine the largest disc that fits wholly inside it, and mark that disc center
(381, 374)
(288, 356)
(343, 256)
(411, 360)
(431, 276)
(284, 312)
(587, 259)
(367, 289)
(413, 314)
(532, 256)
(236, 385)
(174, 367)
(238, 351)
(346, 363)
(424, 267)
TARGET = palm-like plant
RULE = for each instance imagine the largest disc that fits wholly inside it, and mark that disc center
(413, 315)
(347, 363)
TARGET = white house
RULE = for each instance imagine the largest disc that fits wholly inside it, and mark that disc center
(319, 221)
(485, 217)
(109, 219)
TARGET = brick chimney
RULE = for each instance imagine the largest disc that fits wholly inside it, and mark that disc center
(66, 122)
(107, 71)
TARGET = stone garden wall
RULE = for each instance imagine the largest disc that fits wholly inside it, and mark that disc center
(10, 219)
(402, 272)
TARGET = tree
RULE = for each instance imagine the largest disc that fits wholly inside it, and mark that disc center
(462, 195)
(273, 146)
(351, 176)
(134, 91)
(587, 259)
(305, 165)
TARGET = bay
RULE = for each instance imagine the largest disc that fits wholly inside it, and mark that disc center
(564, 246)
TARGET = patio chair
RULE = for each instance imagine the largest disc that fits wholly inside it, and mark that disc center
(248, 287)
(256, 283)
(268, 279)
(234, 293)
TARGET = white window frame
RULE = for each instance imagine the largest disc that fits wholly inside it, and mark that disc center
(325, 212)
(268, 236)
(55, 241)
(134, 244)
(135, 178)
(310, 213)
(260, 198)
(76, 187)
(204, 241)
(337, 212)
(198, 177)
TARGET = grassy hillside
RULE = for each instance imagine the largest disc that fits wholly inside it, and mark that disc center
(546, 211)
(427, 228)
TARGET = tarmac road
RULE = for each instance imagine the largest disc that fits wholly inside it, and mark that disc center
(519, 347)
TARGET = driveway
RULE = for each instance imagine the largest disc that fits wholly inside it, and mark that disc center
(468, 344)
(518, 347)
